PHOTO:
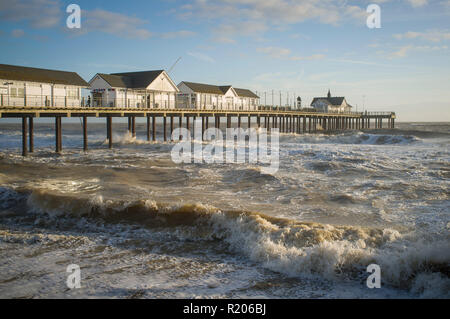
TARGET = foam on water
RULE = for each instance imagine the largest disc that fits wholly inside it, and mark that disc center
(144, 226)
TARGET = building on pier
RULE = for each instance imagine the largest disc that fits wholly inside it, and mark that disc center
(213, 97)
(331, 104)
(247, 100)
(147, 89)
(25, 86)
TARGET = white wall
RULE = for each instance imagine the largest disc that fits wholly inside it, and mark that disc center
(35, 94)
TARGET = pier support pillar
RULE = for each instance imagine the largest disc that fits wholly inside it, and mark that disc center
(133, 126)
(188, 124)
(129, 124)
(180, 120)
(148, 128)
(31, 138)
(228, 121)
(24, 136)
(203, 128)
(154, 128)
(165, 128)
(239, 121)
(249, 121)
(58, 134)
(85, 136)
(258, 121)
(109, 131)
(171, 127)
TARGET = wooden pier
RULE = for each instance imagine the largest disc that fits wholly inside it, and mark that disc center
(290, 122)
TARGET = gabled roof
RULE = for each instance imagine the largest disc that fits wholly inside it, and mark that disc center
(22, 73)
(136, 80)
(245, 93)
(207, 88)
(116, 80)
(329, 100)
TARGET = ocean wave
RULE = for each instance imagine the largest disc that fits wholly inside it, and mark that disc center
(288, 246)
(362, 138)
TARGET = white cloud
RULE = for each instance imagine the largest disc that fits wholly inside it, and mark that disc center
(114, 23)
(38, 13)
(413, 3)
(418, 3)
(17, 33)
(403, 51)
(177, 34)
(250, 17)
(201, 57)
(49, 14)
(274, 52)
(431, 35)
(308, 58)
(283, 53)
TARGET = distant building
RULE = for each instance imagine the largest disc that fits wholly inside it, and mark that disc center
(147, 89)
(24, 86)
(247, 100)
(331, 104)
(212, 97)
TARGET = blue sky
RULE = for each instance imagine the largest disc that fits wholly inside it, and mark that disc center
(296, 46)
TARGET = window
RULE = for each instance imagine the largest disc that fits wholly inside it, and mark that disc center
(17, 92)
(72, 93)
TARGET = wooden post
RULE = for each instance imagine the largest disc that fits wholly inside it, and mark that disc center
(249, 121)
(180, 126)
(228, 121)
(109, 128)
(85, 136)
(31, 129)
(148, 128)
(203, 127)
(239, 121)
(129, 125)
(164, 128)
(258, 121)
(133, 126)
(24, 136)
(154, 128)
(58, 134)
(171, 127)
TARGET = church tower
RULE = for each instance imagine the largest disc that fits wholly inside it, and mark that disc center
(329, 94)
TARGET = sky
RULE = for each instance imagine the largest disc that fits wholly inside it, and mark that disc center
(296, 47)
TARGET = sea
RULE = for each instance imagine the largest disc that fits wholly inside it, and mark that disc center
(139, 225)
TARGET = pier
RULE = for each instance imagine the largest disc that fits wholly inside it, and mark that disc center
(287, 121)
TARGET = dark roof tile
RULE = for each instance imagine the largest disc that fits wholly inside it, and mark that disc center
(21, 73)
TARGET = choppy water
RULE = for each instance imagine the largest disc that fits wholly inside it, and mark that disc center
(141, 226)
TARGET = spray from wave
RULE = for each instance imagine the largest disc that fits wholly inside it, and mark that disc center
(282, 245)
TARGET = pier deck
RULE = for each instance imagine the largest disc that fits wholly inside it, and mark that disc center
(287, 121)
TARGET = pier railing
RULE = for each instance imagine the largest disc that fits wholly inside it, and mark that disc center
(47, 101)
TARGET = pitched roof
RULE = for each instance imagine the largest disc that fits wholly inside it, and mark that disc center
(116, 80)
(134, 80)
(22, 73)
(207, 88)
(245, 93)
(330, 100)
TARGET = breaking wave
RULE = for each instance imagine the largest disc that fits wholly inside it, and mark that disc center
(291, 247)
